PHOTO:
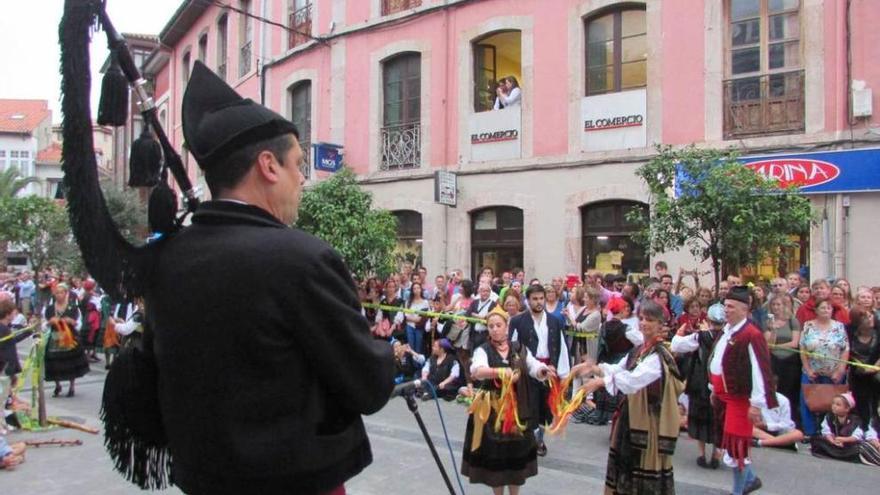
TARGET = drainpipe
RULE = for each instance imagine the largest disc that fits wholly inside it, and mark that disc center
(846, 235)
(826, 242)
(446, 109)
(262, 67)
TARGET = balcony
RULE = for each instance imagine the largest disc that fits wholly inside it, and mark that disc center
(766, 104)
(300, 21)
(394, 6)
(401, 146)
(244, 59)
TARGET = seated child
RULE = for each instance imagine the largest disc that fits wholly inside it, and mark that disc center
(441, 371)
(841, 431)
(777, 429)
(10, 455)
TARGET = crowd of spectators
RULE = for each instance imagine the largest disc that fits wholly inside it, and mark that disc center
(814, 331)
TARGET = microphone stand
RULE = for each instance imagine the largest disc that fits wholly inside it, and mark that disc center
(410, 398)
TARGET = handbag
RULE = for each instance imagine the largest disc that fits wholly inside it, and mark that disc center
(818, 396)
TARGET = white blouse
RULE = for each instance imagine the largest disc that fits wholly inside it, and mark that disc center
(481, 360)
(618, 379)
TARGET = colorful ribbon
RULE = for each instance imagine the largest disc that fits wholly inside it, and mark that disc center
(561, 408)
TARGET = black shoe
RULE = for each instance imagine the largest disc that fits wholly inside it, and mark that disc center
(701, 461)
(754, 486)
(542, 449)
(71, 392)
(57, 391)
(714, 463)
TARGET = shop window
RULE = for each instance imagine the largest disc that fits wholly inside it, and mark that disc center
(607, 243)
(497, 56)
(764, 88)
(409, 236)
(394, 6)
(401, 115)
(299, 21)
(222, 25)
(301, 116)
(496, 239)
(617, 51)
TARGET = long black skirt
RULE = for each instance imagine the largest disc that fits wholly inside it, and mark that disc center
(501, 459)
(63, 365)
(701, 424)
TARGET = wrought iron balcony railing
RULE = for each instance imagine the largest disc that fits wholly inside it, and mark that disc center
(766, 104)
(394, 6)
(244, 59)
(300, 21)
(401, 146)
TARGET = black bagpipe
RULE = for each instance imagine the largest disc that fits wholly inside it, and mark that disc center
(133, 432)
(111, 260)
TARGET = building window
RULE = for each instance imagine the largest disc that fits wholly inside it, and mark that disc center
(2, 160)
(299, 21)
(203, 47)
(764, 89)
(394, 6)
(301, 116)
(13, 160)
(617, 51)
(139, 57)
(185, 68)
(409, 237)
(607, 243)
(496, 56)
(496, 239)
(222, 25)
(245, 39)
(401, 116)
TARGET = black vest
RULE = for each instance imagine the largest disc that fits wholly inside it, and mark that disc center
(439, 372)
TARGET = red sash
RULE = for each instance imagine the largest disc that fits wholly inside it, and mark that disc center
(737, 435)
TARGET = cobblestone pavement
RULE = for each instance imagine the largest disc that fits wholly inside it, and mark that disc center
(575, 463)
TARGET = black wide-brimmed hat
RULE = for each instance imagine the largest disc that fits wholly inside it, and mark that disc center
(217, 120)
(739, 293)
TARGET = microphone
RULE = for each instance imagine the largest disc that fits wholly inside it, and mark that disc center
(406, 388)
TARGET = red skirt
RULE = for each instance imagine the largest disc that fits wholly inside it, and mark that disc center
(737, 433)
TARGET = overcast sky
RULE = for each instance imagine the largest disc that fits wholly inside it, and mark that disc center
(29, 44)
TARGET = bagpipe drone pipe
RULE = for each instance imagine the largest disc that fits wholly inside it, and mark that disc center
(133, 432)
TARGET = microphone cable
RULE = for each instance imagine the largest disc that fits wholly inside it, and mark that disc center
(446, 435)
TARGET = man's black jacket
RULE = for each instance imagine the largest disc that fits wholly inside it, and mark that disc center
(265, 361)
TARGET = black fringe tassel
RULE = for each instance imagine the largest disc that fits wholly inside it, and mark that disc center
(145, 160)
(113, 107)
(162, 209)
(133, 432)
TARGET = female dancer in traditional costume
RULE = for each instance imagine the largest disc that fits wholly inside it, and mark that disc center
(646, 427)
(499, 450)
(65, 359)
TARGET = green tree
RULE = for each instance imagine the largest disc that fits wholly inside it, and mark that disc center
(40, 227)
(338, 211)
(707, 201)
(11, 183)
(127, 210)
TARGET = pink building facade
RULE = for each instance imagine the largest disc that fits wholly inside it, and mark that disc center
(405, 87)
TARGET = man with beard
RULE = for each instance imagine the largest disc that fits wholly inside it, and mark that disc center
(543, 335)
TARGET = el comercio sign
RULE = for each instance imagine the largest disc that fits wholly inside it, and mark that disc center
(494, 137)
(796, 171)
(614, 123)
